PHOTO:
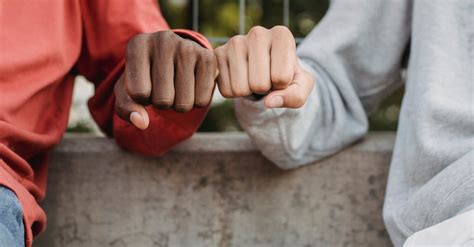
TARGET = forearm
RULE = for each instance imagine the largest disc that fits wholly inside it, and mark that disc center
(294, 137)
(354, 55)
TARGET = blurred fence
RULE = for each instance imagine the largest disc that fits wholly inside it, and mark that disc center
(242, 17)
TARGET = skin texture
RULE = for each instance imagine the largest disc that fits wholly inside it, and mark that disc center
(166, 71)
(263, 62)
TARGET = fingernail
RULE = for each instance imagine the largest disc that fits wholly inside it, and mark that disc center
(276, 101)
(138, 120)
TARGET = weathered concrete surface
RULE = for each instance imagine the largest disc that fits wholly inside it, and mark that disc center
(214, 190)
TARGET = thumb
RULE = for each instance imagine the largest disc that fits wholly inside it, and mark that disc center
(140, 119)
(295, 95)
(128, 110)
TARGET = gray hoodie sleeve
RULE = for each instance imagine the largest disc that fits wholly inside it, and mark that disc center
(355, 54)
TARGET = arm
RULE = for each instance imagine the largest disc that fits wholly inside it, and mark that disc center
(114, 29)
(354, 54)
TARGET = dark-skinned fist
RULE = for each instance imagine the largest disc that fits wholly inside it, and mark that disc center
(166, 71)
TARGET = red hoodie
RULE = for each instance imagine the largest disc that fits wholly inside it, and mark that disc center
(43, 46)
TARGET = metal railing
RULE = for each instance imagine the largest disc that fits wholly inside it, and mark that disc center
(242, 7)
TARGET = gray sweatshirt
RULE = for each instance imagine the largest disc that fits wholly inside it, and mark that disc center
(355, 54)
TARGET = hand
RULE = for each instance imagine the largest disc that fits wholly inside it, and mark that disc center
(166, 71)
(263, 62)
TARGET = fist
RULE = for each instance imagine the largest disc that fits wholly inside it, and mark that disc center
(263, 62)
(166, 71)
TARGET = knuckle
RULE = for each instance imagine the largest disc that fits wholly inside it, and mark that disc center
(221, 55)
(280, 78)
(187, 49)
(283, 33)
(226, 94)
(257, 33)
(136, 42)
(163, 39)
(257, 30)
(279, 29)
(140, 96)
(162, 103)
(312, 81)
(237, 42)
(138, 39)
(220, 51)
(310, 77)
(260, 87)
(299, 100)
(201, 103)
(208, 59)
(118, 86)
(120, 108)
(183, 107)
(166, 34)
(241, 92)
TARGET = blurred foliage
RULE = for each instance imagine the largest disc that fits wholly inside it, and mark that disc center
(80, 127)
(221, 118)
(386, 117)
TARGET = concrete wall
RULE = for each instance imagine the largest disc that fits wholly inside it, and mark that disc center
(214, 190)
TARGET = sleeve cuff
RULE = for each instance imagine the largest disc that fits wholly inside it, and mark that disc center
(250, 105)
(199, 38)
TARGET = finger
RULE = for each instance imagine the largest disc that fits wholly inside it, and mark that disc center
(259, 41)
(127, 109)
(283, 57)
(205, 74)
(237, 58)
(137, 69)
(184, 78)
(163, 70)
(295, 95)
(223, 78)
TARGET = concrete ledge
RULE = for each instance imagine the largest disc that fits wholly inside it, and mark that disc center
(213, 190)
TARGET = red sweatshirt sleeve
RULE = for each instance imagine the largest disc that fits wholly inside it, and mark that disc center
(108, 25)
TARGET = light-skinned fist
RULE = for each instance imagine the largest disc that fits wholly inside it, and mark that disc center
(263, 62)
